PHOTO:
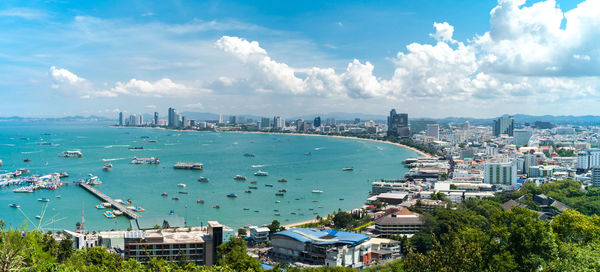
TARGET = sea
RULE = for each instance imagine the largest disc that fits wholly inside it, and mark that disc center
(222, 153)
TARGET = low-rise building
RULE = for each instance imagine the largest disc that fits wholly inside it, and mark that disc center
(259, 234)
(401, 222)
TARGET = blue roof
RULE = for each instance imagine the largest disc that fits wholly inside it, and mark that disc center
(323, 237)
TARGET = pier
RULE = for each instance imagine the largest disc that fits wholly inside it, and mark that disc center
(112, 202)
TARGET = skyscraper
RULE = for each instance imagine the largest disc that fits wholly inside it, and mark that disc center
(433, 130)
(504, 125)
(155, 118)
(317, 121)
(398, 124)
(265, 123)
(417, 126)
(173, 119)
(278, 122)
(120, 118)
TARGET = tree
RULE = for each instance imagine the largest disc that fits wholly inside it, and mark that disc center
(233, 254)
(342, 219)
(65, 249)
(275, 226)
(242, 232)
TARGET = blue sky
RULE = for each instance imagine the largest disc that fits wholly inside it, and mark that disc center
(428, 58)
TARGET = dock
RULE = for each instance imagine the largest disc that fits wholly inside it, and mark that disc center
(131, 214)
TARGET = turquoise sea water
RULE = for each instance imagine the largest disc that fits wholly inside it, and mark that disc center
(283, 156)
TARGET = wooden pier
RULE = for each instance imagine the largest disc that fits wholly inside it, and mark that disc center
(131, 214)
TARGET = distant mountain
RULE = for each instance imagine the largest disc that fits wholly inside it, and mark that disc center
(76, 118)
(524, 118)
(343, 116)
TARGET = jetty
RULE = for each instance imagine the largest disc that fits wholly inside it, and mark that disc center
(108, 199)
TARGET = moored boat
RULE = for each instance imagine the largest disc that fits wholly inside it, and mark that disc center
(248, 191)
(317, 191)
(201, 201)
(239, 177)
(233, 195)
(109, 214)
(203, 179)
(250, 155)
(71, 154)
(164, 194)
(282, 180)
(260, 173)
(14, 205)
(216, 206)
(189, 166)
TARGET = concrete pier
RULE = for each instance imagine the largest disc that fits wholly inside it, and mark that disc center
(131, 214)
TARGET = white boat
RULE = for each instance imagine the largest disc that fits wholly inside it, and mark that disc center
(117, 212)
(71, 154)
(181, 185)
(151, 160)
(189, 165)
(261, 173)
(93, 181)
(317, 191)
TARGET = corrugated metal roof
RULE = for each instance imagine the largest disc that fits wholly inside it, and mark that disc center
(324, 236)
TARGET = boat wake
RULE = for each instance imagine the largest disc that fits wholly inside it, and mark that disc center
(115, 159)
(318, 148)
(8, 144)
(259, 165)
(31, 152)
(111, 146)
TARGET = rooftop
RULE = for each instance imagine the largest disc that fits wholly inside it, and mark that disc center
(323, 237)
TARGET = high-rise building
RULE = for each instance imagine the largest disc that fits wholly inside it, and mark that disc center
(522, 136)
(502, 173)
(278, 122)
(596, 176)
(433, 130)
(133, 120)
(398, 125)
(120, 118)
(155, 121)
(317, 121)
(220, 118)
(183, 122)
(330, 121)
(300, 125)
(140, 120)
(504, 125)
(356, 121)
(172, 118)
(417, 126)
(587, 159)
(265, 123)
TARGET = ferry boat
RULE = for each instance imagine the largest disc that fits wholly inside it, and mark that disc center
(348, 169)
(99, 206)
(71, 154)
(239, 177)
(250, 155)
(181, 185)
(317, 191)
(151, 160)
(109, 214)
(203, 179)
(189, 165)
(261, 173)
(164, 194)
(43, 199)
(232, 195)
(14, 206)
(282, 180)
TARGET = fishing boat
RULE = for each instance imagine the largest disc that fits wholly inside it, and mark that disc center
(203, 179)
(308, 153)
(317, 191)
(216, 206)
(253, 182)
(268, 185)
(279, 194)
(201, 201)
(164, 194)
(181, 185)
(43, 199)
(14, 205)
(261, 173)
(99, 206)
(239, 177)
(282, 180)
(233, 195)
(175, 198)
(250, 155)
(248, 191)
(348, 169)
(109, 214)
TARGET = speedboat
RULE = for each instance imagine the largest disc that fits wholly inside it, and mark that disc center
(43, 199)
(27, 160)
(38, 217)
(248, 191)
(282, 180)
(348, 169)
(203, 179)
(117, 212)
(139, 209)
(232, 195)
(181, 185)
(239, 177)
(216, 206)
(109, 214)
(317, 191)
(268, 185)
(58, 196)
(14, 205)
(164, 194)
(106, 169)
(99, 206)
(249, 155)
(261, 173)
(175, 198)
(201, 201)
(277, 201)
(183, 192)
(279, 194)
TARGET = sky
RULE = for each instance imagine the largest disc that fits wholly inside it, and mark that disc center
(428, 58)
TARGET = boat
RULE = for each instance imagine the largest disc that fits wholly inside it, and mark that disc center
(93, 181)
(315, 201)
(252, 187)
(317, 191)
(109, 214)
(152, 141)
(348, 169)
(216, 206)
(308, 153)
(261, 173)
(320, 207)
(253, 182)
(23, 190)
(27, 160)
(117, 212)
(279, 194)
(233, 195)
(248, 191)
(151, 160)
(136, 147)
(38, 217)
(239, 177)
(293, 213)
(99, 206)
(283, 190)
(139, 209)
(282, 180)
(14, 206)
(45, 143)
(277, 201)
(126, 202)
(250, 155)
(106, 169)
(71, 154)
(175, 198)
(203, 179)
(277, 214)
(268, 185)
(108, 165)
(183, 193)
(181, 185)
(58, 196)
(164, 194)
(341, 199)
(246, 209)
(106, 204)
(189, 166)
(63, 175)
(201, 201)
(43, 199)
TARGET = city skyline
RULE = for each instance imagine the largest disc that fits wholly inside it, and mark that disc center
(484, 59)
